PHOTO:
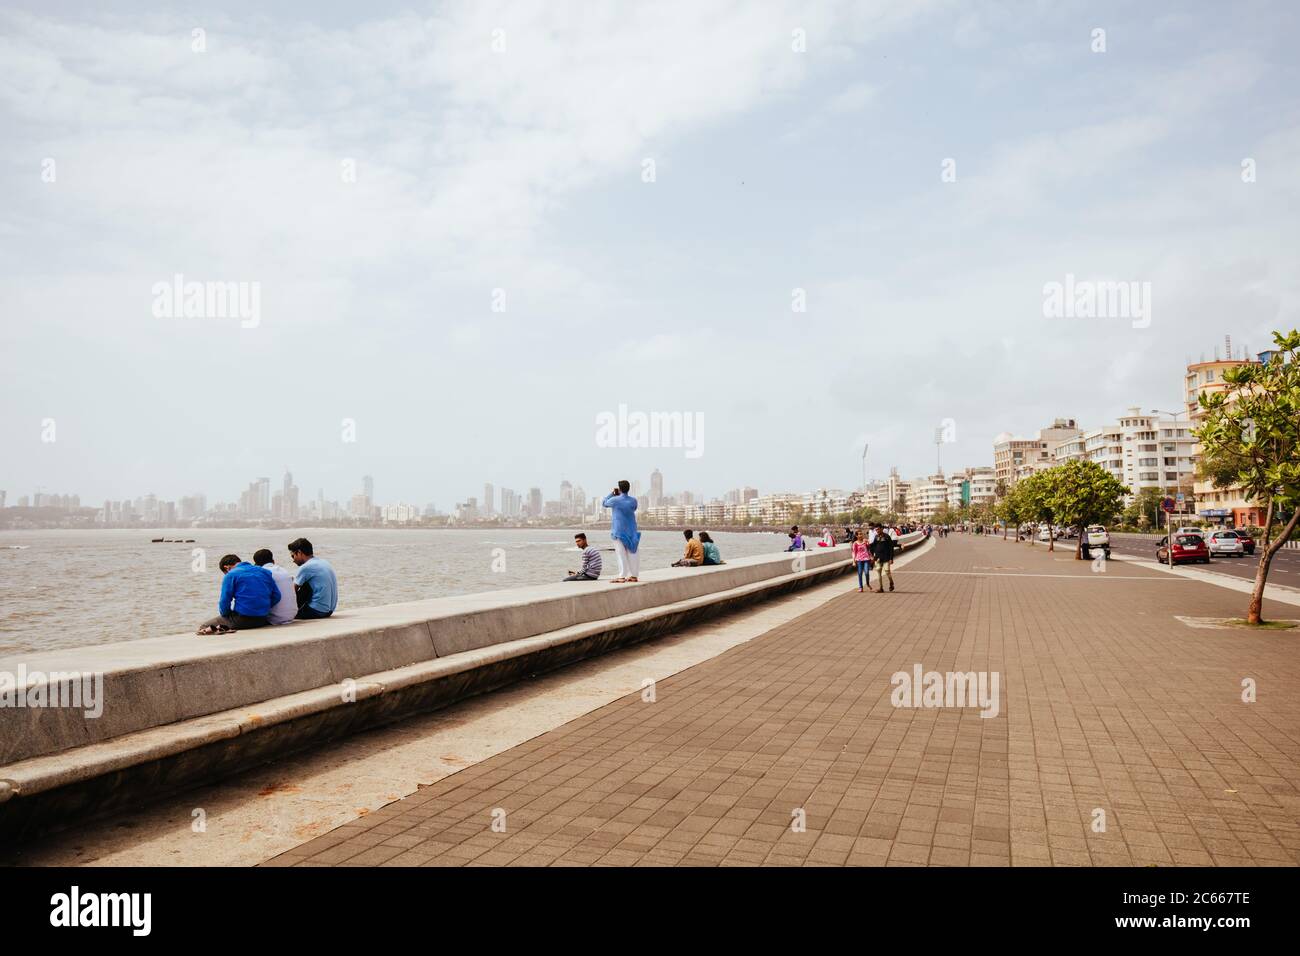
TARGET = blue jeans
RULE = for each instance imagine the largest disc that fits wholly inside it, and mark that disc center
(864, 567)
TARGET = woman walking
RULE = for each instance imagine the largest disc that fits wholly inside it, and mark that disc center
(862, 558)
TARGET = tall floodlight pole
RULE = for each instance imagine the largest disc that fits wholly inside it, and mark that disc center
(938, 449)
(864, 467)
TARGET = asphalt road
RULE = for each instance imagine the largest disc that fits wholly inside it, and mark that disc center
(1284, 570)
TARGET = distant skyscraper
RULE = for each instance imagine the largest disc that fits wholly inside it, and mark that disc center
(535, 502)
(656, 488)
(566, 498)
(489, 498)
(368, 487)
(2, 498)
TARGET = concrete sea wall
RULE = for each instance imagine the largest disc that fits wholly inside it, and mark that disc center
(180, 711)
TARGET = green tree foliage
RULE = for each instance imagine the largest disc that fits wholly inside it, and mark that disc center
(1250, 439)
(1083, 493)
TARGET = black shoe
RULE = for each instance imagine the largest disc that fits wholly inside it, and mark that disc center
(891, 587)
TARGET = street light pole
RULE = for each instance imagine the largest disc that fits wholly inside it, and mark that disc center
(1178, 467)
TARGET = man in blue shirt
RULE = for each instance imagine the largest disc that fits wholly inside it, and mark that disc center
(623, 530)
(315, 585)
(247, 595)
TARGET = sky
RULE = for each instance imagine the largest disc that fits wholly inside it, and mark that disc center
(472, 229)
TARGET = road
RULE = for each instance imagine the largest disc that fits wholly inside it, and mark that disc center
(1285, 569)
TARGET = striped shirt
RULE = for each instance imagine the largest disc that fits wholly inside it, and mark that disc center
(590, 563)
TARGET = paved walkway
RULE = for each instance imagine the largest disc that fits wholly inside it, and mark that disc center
(1108, 704)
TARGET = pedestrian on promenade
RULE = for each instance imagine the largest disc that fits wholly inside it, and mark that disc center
(882, 550)
(591, 563)
(711, 553)
(828, 539)
(862, 559)
(623, 530)
(315, 585)
(694, 555)
(796, 540)
(247, 595)
(285, 609)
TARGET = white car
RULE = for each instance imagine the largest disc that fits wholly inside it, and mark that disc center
(1045, 534)
(1225, 542)
(1096, 536)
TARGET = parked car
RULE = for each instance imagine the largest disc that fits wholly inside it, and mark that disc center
(1247, 540)
(1096, 536)
(1225, 542)
(1044, 534)
(1187, 547)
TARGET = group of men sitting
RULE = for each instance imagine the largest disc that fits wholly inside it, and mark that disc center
(263, 593)
(698, 552)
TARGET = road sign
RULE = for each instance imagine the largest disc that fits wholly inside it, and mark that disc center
(1181, 497)
(1167, 505)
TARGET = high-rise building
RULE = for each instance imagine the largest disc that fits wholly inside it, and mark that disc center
(656, 488)
(288, 509)
(489, 499)
(534, 502)
(3, 494)
(1140, 451)
(1222, 505)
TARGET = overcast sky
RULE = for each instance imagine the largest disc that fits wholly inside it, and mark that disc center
(503, 146)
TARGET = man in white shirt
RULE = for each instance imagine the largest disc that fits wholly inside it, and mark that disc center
(286, 609)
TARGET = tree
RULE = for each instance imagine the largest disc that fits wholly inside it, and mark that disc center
(1011, 509)
(1037, 494)
(1082, 493)
(1250, 439)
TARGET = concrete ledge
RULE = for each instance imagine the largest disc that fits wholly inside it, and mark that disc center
(183, 710)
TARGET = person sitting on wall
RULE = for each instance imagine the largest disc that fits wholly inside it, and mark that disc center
(315, 585)
(711, 553)
(694, 555)
(796, 540)
(591, 563)
(247, 595)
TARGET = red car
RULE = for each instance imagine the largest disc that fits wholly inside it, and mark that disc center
(1187, 547)
(1247, 541)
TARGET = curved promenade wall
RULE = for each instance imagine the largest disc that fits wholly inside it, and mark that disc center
(181, 710)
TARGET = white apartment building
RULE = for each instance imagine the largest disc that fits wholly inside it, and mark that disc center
(1140, 450)
(925, 496)
(974, 486)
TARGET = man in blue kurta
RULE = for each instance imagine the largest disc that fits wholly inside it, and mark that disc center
(623, 531)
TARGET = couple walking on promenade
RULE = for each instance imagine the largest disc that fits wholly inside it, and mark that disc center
(877, 549)
(263, 593)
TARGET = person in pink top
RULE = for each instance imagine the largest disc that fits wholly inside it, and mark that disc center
(862, 558)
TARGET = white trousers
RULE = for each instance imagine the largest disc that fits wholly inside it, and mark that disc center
(629, 562)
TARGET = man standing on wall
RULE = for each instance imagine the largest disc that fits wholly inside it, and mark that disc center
(623, 530)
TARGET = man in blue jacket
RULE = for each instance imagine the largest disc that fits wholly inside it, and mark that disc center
(623, 530)
(247, 595)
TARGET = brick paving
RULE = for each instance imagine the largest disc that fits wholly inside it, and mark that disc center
(1107, 702)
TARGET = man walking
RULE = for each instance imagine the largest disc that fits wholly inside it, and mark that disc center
(623, 530)
(882, 550)
(315, 586)
(591, 563)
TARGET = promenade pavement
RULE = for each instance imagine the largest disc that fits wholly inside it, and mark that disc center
(1109, 704)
